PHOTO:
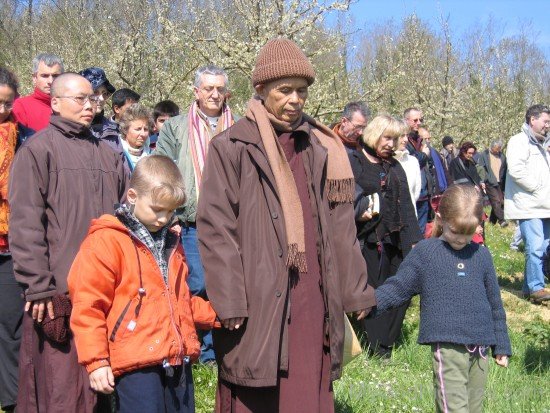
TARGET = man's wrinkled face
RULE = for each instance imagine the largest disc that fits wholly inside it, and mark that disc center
(75, 101)
(285, 98)
(353, 128)
(44, 77)
(414, 119)
(496, 150)
(211, 94)
(425, 135)
(540, 125)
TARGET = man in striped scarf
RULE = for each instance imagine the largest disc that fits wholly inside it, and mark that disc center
(185, 139)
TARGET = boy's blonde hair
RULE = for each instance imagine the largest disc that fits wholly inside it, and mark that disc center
(159, 177)
(461, 208)
(381, 125)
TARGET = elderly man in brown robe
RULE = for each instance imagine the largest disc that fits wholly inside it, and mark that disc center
(61, 179)
(277, 239)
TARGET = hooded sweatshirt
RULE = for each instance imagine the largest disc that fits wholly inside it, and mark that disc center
(126, 314)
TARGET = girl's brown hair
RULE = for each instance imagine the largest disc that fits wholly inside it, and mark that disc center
(461, 208)
(159, 177)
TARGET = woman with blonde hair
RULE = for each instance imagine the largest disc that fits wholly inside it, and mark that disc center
(387, 236)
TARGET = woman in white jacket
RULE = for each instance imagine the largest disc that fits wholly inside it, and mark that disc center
(410, 165)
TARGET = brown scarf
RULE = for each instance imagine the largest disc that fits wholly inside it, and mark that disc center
(340, 181)
(350, 143)
(8, 140)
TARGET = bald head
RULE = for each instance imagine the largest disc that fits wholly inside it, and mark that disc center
(61, 82)
(73, 98)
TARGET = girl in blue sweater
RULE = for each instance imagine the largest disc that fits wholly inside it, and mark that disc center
(461, 312)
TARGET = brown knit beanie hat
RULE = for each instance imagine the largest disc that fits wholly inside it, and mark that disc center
(280, 58)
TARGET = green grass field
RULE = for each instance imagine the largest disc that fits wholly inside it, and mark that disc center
(404, 383)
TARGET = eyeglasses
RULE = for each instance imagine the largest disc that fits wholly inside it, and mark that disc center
(209, 90)
(356, 127)
(81, 100)
(419, 120)
(6, 105)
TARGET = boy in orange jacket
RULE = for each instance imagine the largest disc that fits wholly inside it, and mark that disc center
(133, 317)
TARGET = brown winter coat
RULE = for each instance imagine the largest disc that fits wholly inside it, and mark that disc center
(61, 179)
(243, 249)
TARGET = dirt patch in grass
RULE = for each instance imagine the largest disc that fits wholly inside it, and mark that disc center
(519, 310)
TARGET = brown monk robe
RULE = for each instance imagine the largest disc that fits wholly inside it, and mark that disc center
(306, 387)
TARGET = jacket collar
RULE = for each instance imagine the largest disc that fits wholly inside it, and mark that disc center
(69, 128)
(41, 96)
(532, 138)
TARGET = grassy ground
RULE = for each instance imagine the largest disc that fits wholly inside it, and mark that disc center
(404, 383)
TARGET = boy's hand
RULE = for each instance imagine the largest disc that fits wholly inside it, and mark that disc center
(102, 380)
(233, 323)
(501, 360)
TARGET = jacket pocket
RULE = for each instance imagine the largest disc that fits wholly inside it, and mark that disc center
(122, 320)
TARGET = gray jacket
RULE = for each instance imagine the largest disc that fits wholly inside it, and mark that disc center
(485, 163)
(173, 142)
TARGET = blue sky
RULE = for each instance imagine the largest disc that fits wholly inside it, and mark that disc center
(509, 16)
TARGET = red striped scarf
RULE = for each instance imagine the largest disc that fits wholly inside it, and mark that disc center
(200, 135)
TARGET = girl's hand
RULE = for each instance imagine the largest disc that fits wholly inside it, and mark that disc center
(501, 360)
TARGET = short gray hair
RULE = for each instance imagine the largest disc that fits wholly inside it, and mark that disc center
(496, 142)
(353, 107)
(210, 70)
(49, 60)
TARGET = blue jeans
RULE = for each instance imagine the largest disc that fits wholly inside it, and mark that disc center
(150, 390)
(422, 210)
(535, 233)
(196, 284)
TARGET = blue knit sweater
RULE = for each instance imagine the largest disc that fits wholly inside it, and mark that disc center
(459, 295)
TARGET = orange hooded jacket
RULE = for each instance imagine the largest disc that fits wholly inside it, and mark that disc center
(124, 315)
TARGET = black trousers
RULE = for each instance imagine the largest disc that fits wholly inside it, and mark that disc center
(383, 331)
(11, 318)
